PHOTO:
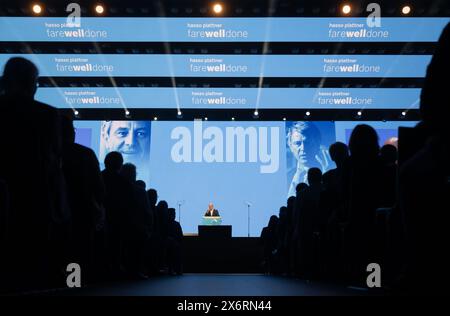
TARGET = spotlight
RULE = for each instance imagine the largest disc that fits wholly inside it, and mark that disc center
(256, 113)
(37, 9)
(232, 118)
(76, 113)
(155, 118)
(127, 113)
(403, 113)
(99, 9)
(179, 113)
(359, 113)
(346, 9)
(284, 119)
(217, 8)
(308, 113)
(206, 118)
(406, 10)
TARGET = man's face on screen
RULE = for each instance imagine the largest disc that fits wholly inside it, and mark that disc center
(301, 144)
(297, 145)
(130, 138)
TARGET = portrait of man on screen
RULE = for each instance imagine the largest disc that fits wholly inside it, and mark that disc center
(307, 147)
(131, 139)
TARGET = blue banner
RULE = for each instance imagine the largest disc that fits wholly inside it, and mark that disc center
(98, 65)
(92, 29)
(233, 98)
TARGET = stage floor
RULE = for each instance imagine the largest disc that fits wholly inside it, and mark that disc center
(215, 285)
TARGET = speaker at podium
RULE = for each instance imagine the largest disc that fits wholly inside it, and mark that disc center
(212, 225)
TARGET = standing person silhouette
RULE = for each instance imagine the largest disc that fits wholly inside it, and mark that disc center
(32, 170)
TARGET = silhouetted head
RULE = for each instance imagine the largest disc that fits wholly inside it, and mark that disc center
(290, 202)
(301, 187)
(162, 207)
(433, 99)
(152, 196)
(338, 153)
(314, 176)
(388, 154)
(273, 221)
(392, 141)
(172, 214)
(141, 184)
(67, 129)
(20, 78)
(283, 212)
(113, 161)
(128, 171)
(363, 143)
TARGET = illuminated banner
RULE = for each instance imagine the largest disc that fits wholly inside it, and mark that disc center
(98, 65)
(237, 98)
(43, 29)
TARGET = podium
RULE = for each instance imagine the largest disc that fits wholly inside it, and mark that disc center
(211, 220)
(212, 228)
(214, 231)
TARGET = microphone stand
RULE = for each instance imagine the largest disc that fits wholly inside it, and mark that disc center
(248, 219)
(179, 210)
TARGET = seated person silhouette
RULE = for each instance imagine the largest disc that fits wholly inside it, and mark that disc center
(211, 210)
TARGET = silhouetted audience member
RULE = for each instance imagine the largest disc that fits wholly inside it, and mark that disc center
(152, 197)
(86, 194)
(300, 190)
(389, 156)
(424, 184)
(363, 187)
(332, 210)
(269, 242)
(163, 223)
(141, 184)
(309, 222)
(288, 235)
(332, 179)
(174, 244)
(152, 260)
(119, 194)
(138, 224)
(32, 170)
(281, 252)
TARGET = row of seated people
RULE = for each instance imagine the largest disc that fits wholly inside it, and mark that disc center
(371, 209)
(57, 207)
(328, 230)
